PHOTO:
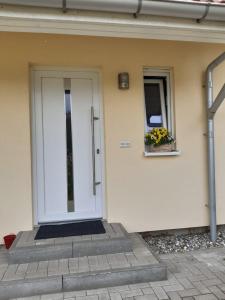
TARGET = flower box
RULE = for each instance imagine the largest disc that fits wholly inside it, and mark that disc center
(159, 140)
(160, 148)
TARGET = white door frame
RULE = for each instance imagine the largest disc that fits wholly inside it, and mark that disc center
(66, 72)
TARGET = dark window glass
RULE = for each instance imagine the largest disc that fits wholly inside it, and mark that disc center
(153, 105)
(155, 89)
(69, 151)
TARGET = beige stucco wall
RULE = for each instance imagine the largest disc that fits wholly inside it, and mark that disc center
(142, 193)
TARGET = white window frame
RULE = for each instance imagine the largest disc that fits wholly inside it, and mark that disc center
(167, 74)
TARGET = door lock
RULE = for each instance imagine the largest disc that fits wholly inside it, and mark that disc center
(98, 151)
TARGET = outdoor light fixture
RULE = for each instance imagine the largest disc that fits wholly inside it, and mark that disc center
(123, 81)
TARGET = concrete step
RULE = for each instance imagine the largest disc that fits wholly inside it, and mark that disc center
(26, 249)
(81, 273)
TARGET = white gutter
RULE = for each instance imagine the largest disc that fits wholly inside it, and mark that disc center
(53, 21)
(166, 8)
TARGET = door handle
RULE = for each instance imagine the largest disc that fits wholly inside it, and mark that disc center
(93, 119)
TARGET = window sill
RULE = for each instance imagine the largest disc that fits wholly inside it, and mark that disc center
(172, 153)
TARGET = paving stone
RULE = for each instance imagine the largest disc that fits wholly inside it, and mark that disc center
(146, 297)
(194, 278)
(211, 282)
(173, 288)
(160, 293)
(159, 283)
(217, 292)
(189, 292)
(115, 296)
(201, 287)
(174, 296)
(222, 287)
(221, 276)
(32, 267)
(147, 291)
(30, 298)
(52, 297)
(97, 291)
(139, 285)
(74, 294)
(119, 288)
(92, 297)
(205, 297)
(103, 297)
(22, 269)
(131, 293)
(186, 283)
(63, 266)
(210, 272)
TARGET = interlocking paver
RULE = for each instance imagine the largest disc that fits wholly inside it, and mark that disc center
(131, 293)
(97, 292)
(42, 269)
(92, 297)
(189, 293)
(160, 293)
(194, 278)
(186, 283)
(205, 297)
(103, 296)
(173, 288)
(146, 297)
(197, 275)
(115, 296)
(52, 297)
(174, 296)
(30, 298)
(139, 285)
(119, 288)
(201, 287)
(74, 294)
(211, 282)
(222, 287)
(217, 292)
(147, 291)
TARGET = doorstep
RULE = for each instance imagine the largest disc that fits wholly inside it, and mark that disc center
(80, 273)
(25, 249)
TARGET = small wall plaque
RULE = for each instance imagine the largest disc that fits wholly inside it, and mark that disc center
(125, 144)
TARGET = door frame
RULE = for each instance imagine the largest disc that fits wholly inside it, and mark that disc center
(34, 161)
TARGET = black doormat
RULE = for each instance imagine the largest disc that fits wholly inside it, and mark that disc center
(69, 229)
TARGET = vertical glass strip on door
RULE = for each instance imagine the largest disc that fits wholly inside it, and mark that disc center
(69, 147)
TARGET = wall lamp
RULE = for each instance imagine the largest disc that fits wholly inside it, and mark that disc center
(123, 81)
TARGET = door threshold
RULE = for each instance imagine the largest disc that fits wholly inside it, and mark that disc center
(67, 222)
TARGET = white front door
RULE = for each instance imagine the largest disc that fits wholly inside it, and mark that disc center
(67, 145)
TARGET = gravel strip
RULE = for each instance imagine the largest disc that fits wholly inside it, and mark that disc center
(163, 244)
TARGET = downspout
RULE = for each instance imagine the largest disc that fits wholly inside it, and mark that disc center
(212, 108)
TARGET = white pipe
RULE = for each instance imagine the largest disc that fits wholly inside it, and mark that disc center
(217, 102)
(211, 143)
(165, 8)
